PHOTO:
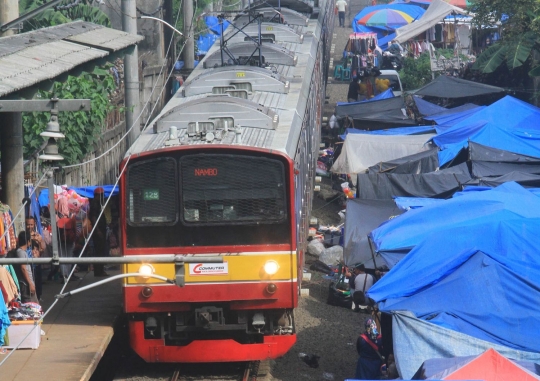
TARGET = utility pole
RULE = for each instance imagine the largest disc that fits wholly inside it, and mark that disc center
(131, 72)
(189, 48)
(11, 135)
(9, 10)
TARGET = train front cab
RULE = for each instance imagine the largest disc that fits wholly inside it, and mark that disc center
(235, 203)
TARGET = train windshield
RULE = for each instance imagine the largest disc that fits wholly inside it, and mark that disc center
(231, 189)
(207, 200)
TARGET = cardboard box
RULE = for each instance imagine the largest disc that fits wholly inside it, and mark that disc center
(17, 332)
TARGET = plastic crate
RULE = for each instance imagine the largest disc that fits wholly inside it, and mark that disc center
(17, 332)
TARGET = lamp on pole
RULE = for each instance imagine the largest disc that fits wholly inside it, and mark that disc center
(50, 154)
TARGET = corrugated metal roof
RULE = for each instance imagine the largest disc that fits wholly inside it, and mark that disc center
(29, 58)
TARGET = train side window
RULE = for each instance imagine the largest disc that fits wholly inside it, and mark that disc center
(152, 192)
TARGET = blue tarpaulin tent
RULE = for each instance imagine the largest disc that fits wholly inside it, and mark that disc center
(205, 42)
(87, 192)
(214, 25)
(384, 95)
(447, 119)
(480, 281)
(508, 124)
(394, 239)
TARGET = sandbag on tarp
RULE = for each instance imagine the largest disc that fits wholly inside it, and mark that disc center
(383, 111)
(445, 86)
(440, 184)
(361, 151)
(413, 227)
(488, 366)
(416, 340)
(422, 162)
(362, 217)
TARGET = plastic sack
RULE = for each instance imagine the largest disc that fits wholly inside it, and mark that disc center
(315, 247)
(332, 255)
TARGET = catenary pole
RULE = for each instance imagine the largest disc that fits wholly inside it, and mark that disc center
(189, 48)
(131, 72)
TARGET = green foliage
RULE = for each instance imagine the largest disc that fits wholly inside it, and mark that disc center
(520, 30)
(80, 128)
(51, 17)
(415, 72)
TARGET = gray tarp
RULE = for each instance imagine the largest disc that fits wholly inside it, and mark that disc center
(439, 184)
(361, 218)
(523, 179)
(422, 162)
(382, 111)
(451, 87)
(361, 151)
(481, 152)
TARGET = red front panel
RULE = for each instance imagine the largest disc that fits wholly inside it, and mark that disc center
(154, 350)
(242, 296)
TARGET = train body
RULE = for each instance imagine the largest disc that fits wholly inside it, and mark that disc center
(227, 169)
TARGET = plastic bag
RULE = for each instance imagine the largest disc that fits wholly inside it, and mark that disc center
(315, 247)
(332, 255)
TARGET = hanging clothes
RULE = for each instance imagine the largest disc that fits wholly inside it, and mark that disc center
(4, 319)
(9, 285)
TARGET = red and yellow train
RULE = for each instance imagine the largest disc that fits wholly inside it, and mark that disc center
(227, 169)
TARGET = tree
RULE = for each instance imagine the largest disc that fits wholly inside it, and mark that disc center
(80, 128)
(521, 27)
(61, 14)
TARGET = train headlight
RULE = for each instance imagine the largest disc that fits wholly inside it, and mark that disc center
(271, 267)
(146, 269)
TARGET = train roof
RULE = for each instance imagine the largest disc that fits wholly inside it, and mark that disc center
(239, 104)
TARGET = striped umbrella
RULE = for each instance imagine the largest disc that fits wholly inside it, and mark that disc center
(386, 18)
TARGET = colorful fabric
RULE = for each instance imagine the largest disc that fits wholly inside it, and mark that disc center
(371, 329)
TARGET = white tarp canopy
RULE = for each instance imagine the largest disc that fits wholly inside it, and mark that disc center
(436, 12)
(361, 151)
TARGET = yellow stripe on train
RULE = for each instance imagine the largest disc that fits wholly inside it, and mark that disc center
(234, 268)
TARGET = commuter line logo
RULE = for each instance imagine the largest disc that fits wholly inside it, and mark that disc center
(209, 268)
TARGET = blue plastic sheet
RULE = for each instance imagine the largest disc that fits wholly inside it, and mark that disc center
(481, 280)
(384, 41)
(508, 124)
(416, 341)
(447, 118)
(214, 25)
(410, 229)
(406, 203)
(384, 95)
(427, 108)
(205, 42)
(87, 192)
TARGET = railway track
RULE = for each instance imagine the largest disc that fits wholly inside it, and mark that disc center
(244, 371)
